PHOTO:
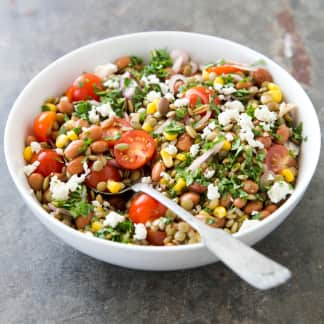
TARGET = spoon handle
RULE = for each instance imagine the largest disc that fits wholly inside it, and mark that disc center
(253, 267)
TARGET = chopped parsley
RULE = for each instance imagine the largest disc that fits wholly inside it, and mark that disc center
(82, 109)
(116, 100)
(121, 233)
(160, 59)
(297, 133)
(174, 128)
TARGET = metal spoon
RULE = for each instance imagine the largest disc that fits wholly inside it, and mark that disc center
(253, 267)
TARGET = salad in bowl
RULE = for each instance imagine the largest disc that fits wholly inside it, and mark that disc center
(219, 138)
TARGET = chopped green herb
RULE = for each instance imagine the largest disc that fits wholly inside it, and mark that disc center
(174, 128)
(160, 59)
(82, 109)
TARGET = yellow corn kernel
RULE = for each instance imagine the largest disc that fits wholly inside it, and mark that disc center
(167, 158)
(220, 212)
(219, 80)
(180, 184)
(28, 154)
(273, 86)
(114, 186)
(288, 175)
(96, 226)
(147, 127)
(72, 135)
(227, 145)
(61, 141)
(276, 95)
(205, 75)
(170, 137)
(51, 107)
(152, 107)
(163, 181)
(181, 157)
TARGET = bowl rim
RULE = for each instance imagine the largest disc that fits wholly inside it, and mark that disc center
(36, 207)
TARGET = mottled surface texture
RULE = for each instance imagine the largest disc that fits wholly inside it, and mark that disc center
(44, 281)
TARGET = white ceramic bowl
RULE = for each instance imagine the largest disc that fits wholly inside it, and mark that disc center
(54, 79)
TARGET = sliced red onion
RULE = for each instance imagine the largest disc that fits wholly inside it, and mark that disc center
(180, 53)
(129, 92)
(174, 79)
(203, 158)
(241, 66)
(177, 64)
(237, 77)
(203, 120)
(194, 67)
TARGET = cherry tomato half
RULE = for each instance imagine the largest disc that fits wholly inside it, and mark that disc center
(49, 161)
(278, 158)
(84, 87)
(144, 208)
(43, 124)
(114, 132)
(224, 69)
(140, 150)
(107, 173)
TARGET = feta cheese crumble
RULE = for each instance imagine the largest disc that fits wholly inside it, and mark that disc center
(104, 71)
(105, 110)
(35, 147)
(228, 90)
(113, 219)
(112, 83)
(279, 191)
(263, 113)
(194, 149)
(228, 116)
(93, 116)
(236, 105)
(246, 133)
(153, 95)
(171, 149)
(150, 79)
(140, 232)
(212, 192)
(181, 102)
(208, 173)
(30, 168)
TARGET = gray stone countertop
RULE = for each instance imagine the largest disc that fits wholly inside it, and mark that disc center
(42, 280)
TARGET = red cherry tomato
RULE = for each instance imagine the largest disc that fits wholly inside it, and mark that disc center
(144, 208)
(84, 87)
(49, 161)
(107, 173)
(141, 147)
(43, 124)
(278, 158)
(198, 92)
(155, 237)
(224, 69)
(114, 132)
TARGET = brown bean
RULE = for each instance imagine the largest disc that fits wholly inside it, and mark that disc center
(177, 85)
(264, 214)
(197, 187)
(271, 208)
(94, 132)
(123, 62)
(220, 223)
(118, 203)
(265, 140)
(253, 206)
(193, 196)
(243, 85)
(65, 106)
(30, 139)
(261, 75)
(73, 149)
(99, 147)
(283, 133)
(35, 180)
(158, 167)
(163, 106)
(75, 166)
(82, 221)
(239, 202)
(169, 71)
(250, 187)
(226, 200)
(184, 143)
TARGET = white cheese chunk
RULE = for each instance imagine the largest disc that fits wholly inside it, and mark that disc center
(212, 192)
(113, 219)
(153, 95)
(194, 149)
(105, 110)
(236, 105)
(263, 113)
(30, 168)
(171, 149)
(181, 102)
(279, 191)
(140, 232)
(104, 71)
(35, 146)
